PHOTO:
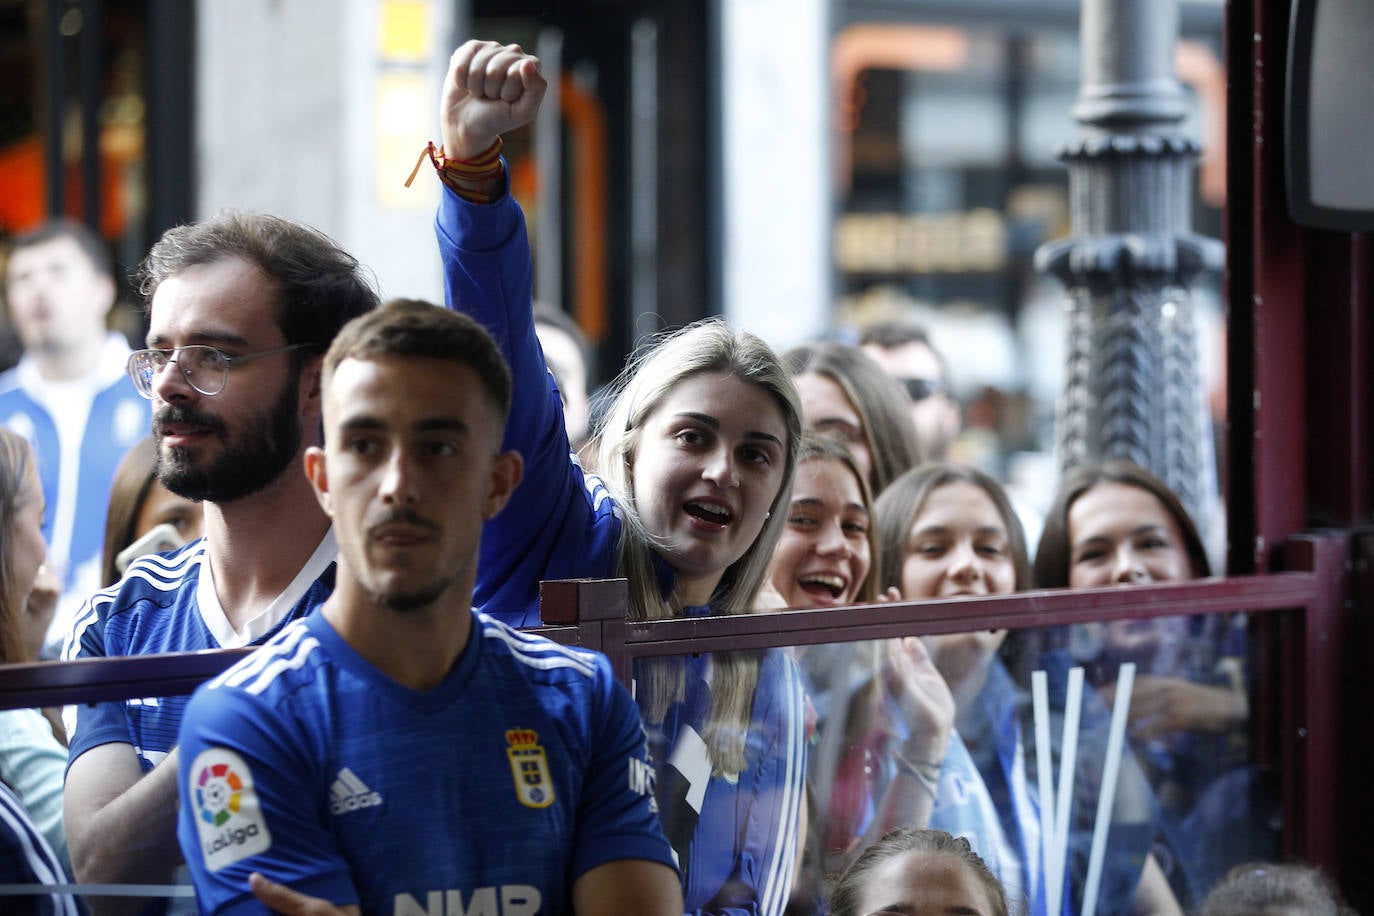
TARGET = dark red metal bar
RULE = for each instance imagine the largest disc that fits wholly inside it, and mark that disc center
(1307, 735)
(1314, 808)
(1019, 611)
(597, 609)
(101, 680)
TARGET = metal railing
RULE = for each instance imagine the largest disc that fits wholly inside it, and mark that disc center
(1296, 629)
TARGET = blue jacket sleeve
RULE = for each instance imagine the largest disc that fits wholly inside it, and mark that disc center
(557, 524)
(249, 802)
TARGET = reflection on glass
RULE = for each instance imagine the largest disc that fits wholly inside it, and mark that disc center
(33, 850)
(32, 764)
(1184, 801)
(729, 789)
(1188, 729)
(727, 735)
(1117, 524)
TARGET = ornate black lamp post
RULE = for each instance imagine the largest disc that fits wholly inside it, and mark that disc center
(1132, 388)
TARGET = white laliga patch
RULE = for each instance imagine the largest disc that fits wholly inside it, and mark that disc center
(229, 820)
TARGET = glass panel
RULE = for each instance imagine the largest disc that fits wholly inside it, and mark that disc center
(727, 733)
(775, 767)
(944, 732)
(1190, 733)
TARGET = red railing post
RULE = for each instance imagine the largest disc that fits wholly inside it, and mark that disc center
(1316, 797)
(597, 607)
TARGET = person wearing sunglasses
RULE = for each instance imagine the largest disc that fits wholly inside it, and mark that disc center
(241, 309)
(904, 350)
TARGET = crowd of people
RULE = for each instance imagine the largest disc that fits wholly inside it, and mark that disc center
(371, 494)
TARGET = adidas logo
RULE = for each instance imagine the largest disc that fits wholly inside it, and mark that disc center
(349, 793)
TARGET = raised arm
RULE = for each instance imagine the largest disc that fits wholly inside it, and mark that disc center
(491, 89)
(545, 532)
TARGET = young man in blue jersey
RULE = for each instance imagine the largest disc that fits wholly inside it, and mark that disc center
(242, 307)
(399, 752)
(69, 396)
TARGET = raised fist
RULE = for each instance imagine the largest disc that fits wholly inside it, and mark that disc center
(490, 88)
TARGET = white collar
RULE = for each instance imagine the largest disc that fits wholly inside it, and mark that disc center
(207, 599)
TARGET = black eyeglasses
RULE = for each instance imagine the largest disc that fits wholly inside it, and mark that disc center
(205, 369)
(918, 389)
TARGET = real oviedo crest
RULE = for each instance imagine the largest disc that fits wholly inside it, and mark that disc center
(530, 767)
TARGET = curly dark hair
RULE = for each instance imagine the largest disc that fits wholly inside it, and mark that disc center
(321, 287)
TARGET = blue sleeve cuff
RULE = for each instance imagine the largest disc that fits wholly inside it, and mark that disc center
(486, 227)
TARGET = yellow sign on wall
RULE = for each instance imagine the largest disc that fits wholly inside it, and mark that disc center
(403, 33)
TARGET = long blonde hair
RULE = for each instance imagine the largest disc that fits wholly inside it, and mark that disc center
(709, 346)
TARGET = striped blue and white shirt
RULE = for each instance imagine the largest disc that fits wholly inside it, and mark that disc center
(26, 858)
(168, 603)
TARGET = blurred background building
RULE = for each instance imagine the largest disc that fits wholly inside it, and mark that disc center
(802, 166)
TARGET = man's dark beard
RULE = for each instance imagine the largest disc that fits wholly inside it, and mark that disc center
(264, 449)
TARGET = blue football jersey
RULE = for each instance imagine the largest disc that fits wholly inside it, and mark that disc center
(167, 603)
(492, 792)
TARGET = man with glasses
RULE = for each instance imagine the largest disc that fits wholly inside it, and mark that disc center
(905, 352)
(242, 308)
